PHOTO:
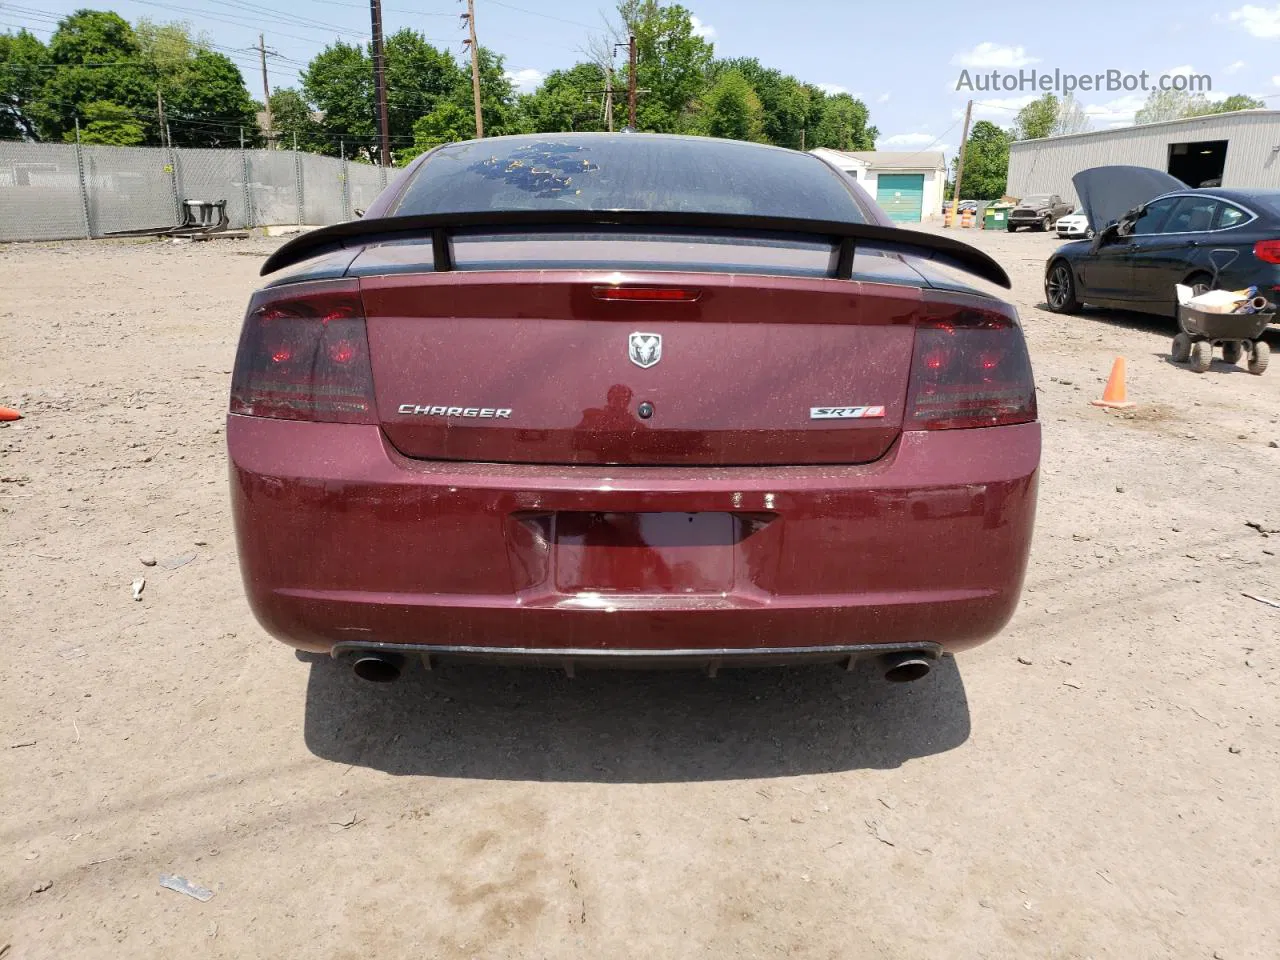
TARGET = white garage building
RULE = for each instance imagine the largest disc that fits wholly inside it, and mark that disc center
(909, 186)
(1239, 150)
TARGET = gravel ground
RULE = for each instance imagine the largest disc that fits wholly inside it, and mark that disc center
(1100, 781)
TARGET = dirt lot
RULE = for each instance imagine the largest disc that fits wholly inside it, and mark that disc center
(1101, 781)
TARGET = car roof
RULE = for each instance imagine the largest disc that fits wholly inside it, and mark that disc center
(1225, 193)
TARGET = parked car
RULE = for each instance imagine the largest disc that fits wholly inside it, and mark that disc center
(1040, 210)
(598, 398)
(1160, 233)
(1074, 226)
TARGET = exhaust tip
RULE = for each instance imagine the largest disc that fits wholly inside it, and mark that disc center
(904, 668)
(377, 668)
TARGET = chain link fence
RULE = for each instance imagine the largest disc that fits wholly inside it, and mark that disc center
(57, 191)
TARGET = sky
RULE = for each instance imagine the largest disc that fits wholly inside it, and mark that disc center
(903, 59)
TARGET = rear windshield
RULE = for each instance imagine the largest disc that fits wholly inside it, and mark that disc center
(627, 172)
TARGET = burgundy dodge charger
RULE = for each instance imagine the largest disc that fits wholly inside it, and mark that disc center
(598, 399)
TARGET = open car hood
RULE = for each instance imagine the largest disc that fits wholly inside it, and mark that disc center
(1108, 193)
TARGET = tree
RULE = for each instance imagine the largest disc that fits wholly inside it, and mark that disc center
(986, 162)
(94, 58)
(1071, 117)
(110, 124)
(447, 123)
(23, 59)
(844, 125)
(339, 82)
(672, 63)
(1237, 101)
(419, 77)
(783, 99)
(292, 122)
(207, 105)
(1177, 104)
(567, 100)
(731, 109)
(1171, 105)
(1037, 119)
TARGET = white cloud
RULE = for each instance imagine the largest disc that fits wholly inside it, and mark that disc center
(988, 54)
(1236, 67)
(883, 98)
(704, 30)
(831, 89)
(909, 140)
(1180, 71)
(1262, 22)
(525, 80)
(1275, 81)
(1115, 113)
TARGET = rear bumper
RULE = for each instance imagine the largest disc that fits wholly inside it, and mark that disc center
(343, 540)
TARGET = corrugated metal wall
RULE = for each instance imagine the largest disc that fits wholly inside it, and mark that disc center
(1253, 152)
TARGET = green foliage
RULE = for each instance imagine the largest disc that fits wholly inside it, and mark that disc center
(292, 122)
(844, 125)
(22, 75)
(1237, 101)
(100, 69)
(207, 105)
(986, 163)
(784, 100)
(110, 124)
(338, 82)
(1037, 119)
(568, 100)
(92, 37)
(673, 63)
(731, 109)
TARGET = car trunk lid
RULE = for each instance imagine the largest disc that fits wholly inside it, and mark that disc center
(598, 367)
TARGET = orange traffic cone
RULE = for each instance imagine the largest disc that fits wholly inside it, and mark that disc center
(8, 413)
(1114, 396)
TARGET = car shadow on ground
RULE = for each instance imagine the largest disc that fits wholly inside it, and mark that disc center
(498, 723)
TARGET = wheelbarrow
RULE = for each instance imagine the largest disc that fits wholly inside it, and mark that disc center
(1237, 333)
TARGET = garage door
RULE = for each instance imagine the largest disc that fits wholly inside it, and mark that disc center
(901, 195)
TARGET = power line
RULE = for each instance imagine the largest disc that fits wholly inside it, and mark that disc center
(546, 16)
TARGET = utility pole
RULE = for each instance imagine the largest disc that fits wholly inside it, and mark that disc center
(380, 81)
(164, 127)
(266, 88)
(631, 84)
(608, 98)
(470, 17)
(964, 143)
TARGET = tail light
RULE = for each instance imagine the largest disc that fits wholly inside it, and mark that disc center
(1268, 251)
(970, 369)
(304, 355)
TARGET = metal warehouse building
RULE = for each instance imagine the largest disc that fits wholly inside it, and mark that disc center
(1238, 150)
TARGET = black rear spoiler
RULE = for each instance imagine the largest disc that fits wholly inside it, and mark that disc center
(441, 227)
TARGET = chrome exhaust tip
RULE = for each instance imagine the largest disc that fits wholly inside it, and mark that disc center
(906, 667)
(378, 667)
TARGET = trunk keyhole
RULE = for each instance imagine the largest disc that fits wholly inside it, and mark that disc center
(645, 410)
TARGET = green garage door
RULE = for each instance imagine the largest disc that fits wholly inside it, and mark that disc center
(901, 195)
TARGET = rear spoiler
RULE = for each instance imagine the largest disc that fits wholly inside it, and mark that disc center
(441, 227)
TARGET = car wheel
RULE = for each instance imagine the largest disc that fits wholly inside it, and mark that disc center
(1060, 288)
(1259, 358)
(1232, 352)
(1045, 224)
(1201, 356)
(1181, 348)
(1011, 228)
